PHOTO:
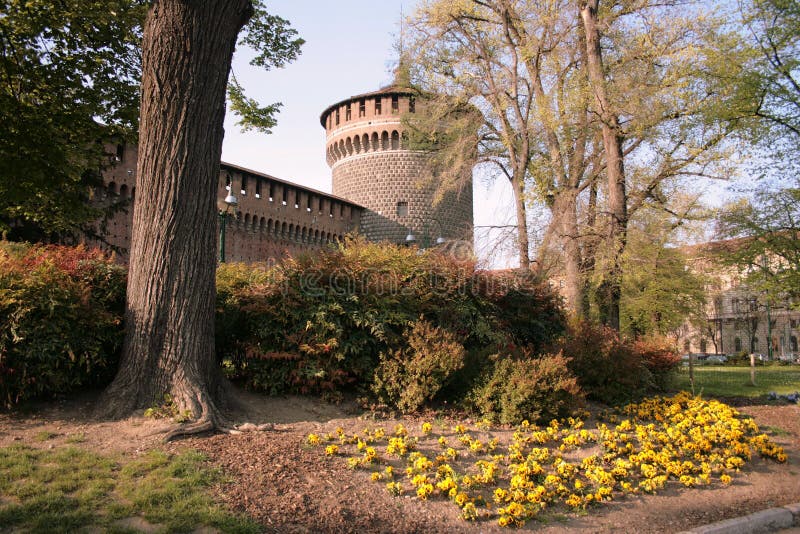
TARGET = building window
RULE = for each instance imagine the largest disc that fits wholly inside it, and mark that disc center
(337, 116)
(395, 103)
(793, 343)
(244, 185)
(402, 209)
(703, 345)
(271, 191)
(412, 105)
(120, 153)
(754, 344)
(362, 107)
(737, 344)
(348, 113)
(378, 106)
(258, 188)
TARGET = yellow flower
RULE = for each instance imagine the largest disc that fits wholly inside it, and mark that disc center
(313, 439)
(426, 428)
(395, 488)
(468, 512)
(331, 450)
(461, 499)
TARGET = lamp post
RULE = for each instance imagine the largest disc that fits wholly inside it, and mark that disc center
(426, 234)
(225, 206)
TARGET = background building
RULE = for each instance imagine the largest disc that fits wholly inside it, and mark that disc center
(737, 319)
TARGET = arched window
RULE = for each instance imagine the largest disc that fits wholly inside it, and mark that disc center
(737, 344)
(349, 147)
(375, 141)
(123, 191)
(112, 188)
(385, 141)
(247, 220)
(754, 344)
(365, 143)
(395, 140)
(262, 224)
(357, 144)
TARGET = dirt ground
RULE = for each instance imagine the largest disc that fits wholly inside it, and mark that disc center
(289, 487)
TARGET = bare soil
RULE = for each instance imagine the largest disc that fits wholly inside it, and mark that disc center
(290, 487)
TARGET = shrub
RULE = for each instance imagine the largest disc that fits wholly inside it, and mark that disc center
(529, 312)
(61, 312)
(533, 388)
(660, 358)
(319, 323)
(406, 378)
(613, 370)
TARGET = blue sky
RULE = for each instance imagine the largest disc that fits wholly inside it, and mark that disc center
(349, 50)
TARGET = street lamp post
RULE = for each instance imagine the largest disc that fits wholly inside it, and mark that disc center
(426, 234)
(225, 206)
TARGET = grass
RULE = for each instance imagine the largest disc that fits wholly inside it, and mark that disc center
(68, 489)
(725, 381)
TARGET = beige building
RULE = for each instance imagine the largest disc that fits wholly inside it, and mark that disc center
(737, 319)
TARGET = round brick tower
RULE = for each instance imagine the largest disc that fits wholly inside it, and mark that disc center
(372, 166)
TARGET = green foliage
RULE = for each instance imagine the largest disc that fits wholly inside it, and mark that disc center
(409, 377)
(538, 388)
(71, 73)
(612, 370)
(70, 78)
(61, 314)
(318, 324)
(769, 248)
(658, 290)
(168, 410)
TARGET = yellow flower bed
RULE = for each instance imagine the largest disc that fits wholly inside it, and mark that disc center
(639, 449)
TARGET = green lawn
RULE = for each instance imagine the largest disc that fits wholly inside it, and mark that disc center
(723, 381)
(67, 489)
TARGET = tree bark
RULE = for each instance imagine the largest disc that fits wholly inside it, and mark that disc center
(611, 285)
(187, 50)
(523, 242)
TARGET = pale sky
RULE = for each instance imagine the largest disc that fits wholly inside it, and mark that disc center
(348, 51)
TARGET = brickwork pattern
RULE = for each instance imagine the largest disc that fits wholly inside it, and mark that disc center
(373, 167)
(273, 219)
(382, 180)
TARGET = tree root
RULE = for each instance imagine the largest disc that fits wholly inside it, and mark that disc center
(208, 425)
(198, 427)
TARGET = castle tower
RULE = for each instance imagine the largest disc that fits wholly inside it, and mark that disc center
(372, 166)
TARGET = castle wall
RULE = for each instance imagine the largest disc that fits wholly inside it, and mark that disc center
(274, 218)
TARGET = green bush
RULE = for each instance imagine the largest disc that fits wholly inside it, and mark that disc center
(615, 371)
(534, 388)
(61, 311)
(319, 323)
(409, 377)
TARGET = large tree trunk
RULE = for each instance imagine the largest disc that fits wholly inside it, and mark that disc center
(611, 286)
(169, 345)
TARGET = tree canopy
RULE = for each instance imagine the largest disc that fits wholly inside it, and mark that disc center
(69, 84)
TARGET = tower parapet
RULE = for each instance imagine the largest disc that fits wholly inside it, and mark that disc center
(373, 166)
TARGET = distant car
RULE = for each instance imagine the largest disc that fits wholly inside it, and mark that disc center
(716, 358)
